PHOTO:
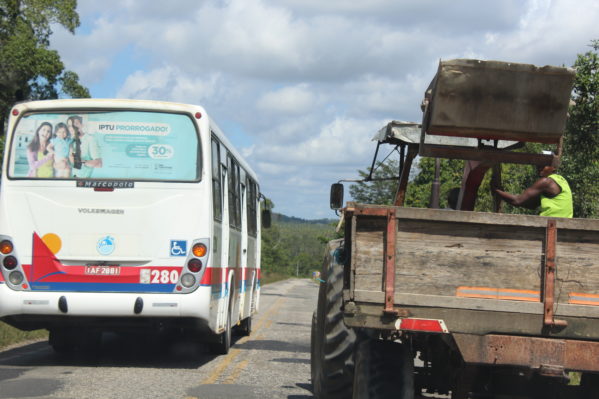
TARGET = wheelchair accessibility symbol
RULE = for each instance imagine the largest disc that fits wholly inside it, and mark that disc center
(178, 248)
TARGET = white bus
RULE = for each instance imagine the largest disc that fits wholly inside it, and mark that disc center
(128, 214)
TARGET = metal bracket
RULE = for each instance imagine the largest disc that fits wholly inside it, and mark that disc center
(549, 273)
(389, 253)
(390, 262)
(552, 371)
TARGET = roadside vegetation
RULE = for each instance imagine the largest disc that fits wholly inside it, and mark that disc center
(294, 247)
(10, 335)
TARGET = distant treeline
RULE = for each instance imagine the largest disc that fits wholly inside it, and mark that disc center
(278, 217)
(295, 246)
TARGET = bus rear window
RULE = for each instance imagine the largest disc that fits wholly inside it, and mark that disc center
(130, 145)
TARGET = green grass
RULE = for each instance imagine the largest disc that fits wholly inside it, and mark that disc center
(267, 277)
(10, 335)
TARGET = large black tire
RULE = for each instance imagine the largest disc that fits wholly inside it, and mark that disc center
(223, 344)
(313, 348)
(384, 369)
(62, 340)
(332, 341)
(245, 327)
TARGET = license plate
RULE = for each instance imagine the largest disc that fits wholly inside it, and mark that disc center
(103, 270)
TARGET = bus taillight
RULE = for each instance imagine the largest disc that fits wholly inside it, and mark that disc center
(194, 265)
(188, 280)
(10, 262)
(15, 277)
(199, 250)
(6, 247)
(10, 268)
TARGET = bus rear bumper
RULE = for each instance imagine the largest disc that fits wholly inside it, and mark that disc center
(86, 304)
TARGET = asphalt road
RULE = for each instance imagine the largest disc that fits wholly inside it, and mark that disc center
(274, 362)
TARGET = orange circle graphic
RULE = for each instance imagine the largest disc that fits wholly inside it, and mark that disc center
(53, 242)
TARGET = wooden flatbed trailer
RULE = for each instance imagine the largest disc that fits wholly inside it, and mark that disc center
(510, 290)
(456, 302)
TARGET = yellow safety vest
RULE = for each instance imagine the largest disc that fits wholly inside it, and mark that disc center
(561, 205)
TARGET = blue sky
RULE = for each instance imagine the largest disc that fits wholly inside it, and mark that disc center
(301, 86)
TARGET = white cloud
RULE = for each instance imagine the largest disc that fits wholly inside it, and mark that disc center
(275, 169)
(168, 82)
(342, 141)
(550, 32)
(298, 99)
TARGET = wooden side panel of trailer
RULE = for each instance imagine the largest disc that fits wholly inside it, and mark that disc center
(476, 255)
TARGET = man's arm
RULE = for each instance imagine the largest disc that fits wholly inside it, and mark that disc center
(529, 198)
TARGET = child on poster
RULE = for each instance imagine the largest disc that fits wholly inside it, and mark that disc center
(60, 144)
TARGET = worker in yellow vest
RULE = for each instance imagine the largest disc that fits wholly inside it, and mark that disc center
(551, 192)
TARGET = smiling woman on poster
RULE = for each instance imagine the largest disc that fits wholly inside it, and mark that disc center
(39, 158)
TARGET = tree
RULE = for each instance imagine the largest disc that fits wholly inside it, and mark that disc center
(418, 193)
(515, 179)
(29, 69)
(580, 163)
(274, 255)
(379, 192)
(419, 188)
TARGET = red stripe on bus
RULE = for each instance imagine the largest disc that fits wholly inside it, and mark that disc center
(219, 275)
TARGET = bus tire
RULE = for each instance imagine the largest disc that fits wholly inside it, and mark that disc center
(332, 342)
(62, 340)
(222, 346)
(384, 369)
(245, 327)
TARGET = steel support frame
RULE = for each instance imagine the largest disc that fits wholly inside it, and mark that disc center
(390, 262)
(400, 195)
(534, 353)
(549, 274)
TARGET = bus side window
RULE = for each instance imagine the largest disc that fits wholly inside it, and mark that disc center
(217, 191)
(251, 207)
(238, 196)
(234, 193)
